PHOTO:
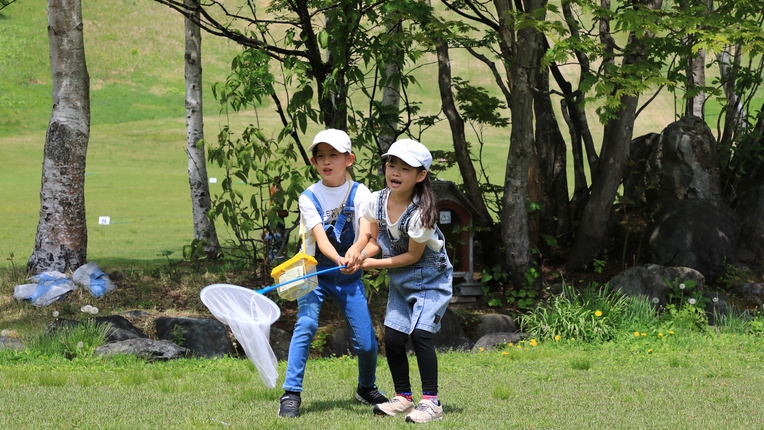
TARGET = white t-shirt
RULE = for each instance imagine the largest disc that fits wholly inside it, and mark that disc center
(331, 199)
(416, 230)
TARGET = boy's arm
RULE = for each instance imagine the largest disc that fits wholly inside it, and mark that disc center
(411, 256)
(323, 244)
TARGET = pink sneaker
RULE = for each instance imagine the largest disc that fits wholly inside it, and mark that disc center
(398, 405)
(425, 411)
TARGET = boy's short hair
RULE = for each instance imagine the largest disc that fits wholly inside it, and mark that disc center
(337, 139)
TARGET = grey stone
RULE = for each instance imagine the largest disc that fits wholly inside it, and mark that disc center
(205, 337)
(148, 349)
(650, 280)
(279, 341)
(10, 343)
(492, 340)
(495, 323)
(701, 234)
(750, 211)
(120, 328)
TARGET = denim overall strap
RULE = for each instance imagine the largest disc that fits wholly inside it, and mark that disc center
(348, 212)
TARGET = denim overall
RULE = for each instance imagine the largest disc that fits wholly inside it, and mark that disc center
(348, 293)
(420, 292)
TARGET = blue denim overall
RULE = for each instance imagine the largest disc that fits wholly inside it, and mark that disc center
(420, 292)
(348, 293)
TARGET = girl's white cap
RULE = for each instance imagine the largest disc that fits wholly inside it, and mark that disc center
(411, 152)
(338, 139)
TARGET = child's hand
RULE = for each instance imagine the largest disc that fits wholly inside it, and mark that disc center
(350, 267)
(353, 260)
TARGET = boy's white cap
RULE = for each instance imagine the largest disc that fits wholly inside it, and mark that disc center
(337, 138)
(411, 152)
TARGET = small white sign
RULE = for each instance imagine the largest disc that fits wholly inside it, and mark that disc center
(213, 180)
(104, 220)
(445, 217)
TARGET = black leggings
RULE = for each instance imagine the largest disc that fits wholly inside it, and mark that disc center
(397, 359)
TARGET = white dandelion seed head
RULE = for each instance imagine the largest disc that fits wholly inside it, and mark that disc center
(80, 344)
(691, 301)
(716, 299)
(86, 309)
(55, 314)
(656, 300)
(681, 286)
(93, 310)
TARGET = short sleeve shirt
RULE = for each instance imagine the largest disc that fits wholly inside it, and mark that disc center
(332, 201)
(415, 231)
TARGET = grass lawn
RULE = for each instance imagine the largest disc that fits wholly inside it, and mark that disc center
(682, 381)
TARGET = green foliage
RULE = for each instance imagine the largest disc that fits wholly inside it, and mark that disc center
(687, 317)
(685, 292)
(178, 334)
(71, 341)
(594, 315)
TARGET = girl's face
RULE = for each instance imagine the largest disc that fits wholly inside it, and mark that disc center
(401, 177)
(331, 164)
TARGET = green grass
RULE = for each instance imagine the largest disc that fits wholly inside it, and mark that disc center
(689, 382)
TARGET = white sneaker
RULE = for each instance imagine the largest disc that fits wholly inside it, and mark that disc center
(425, 411)
(398, 405)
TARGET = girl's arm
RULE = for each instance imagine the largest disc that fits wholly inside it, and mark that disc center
(413, 255)
(355, 255)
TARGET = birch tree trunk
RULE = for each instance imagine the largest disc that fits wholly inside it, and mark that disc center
(204, 229)
(61, 239)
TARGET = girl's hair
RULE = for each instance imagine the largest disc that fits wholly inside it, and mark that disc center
(428, 213)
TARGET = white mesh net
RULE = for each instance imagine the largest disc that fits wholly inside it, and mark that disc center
(250, 316)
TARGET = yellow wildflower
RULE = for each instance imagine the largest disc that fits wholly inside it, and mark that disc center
(597, 313)
(636, 334)
(519, 347)
(650, 351)
(572, 338)
(533, 342)
(671, 331)
(504, 353)
(511, 344)
(644, 334)
(556, 338)
(660, 334)
(481, 349)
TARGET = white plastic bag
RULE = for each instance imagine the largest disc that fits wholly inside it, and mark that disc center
(94, 279)
(250, 316)
(46, 289)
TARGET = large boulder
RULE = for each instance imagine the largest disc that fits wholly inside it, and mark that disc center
(148, 349)
(495, 323)
(634, 176)
(683, 164)
(652, 280)
(750, 211)
(205, 337)
(701, 234)
(119, 327)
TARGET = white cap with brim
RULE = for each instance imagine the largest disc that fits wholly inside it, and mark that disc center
(411, 152)
(338, 139)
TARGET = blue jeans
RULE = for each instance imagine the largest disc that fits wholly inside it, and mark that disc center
(350, 296)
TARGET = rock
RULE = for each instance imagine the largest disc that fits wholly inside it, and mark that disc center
(7, 342)
(650, 280)
(683, 164)
(205, 337)
(750, 292)
(492, 340)
(279, 341)
(121, 329)
(634, 177)
(701, 234)
(145, 348)
(450, 336)
(495, 323)
(750, 212)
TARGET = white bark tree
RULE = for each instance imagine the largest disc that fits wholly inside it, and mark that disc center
(61, 240)
(204, 228)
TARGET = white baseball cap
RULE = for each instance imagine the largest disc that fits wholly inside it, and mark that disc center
(411, 152)
(338, 139)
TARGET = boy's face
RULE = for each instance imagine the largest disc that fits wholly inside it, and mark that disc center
(331, 164)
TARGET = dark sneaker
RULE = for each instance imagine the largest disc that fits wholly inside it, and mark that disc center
(370, 395)
(290, 405)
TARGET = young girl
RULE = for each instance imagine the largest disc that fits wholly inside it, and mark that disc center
(331, 219)
(404, 223)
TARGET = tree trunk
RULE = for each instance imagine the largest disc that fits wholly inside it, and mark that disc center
(554, 217)
(592, 232)
(201, 202)
(463, 159)
(61, 239)
(520, 257)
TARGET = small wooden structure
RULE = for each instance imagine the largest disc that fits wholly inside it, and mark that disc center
(455, 221)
